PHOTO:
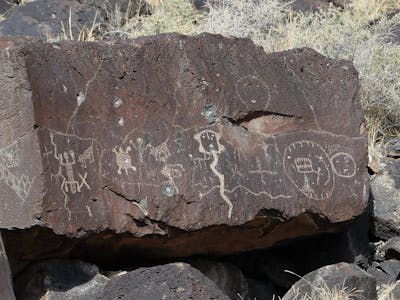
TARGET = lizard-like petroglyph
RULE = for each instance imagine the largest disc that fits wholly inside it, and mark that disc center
(210, 146)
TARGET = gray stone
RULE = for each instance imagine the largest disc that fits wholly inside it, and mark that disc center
(173, 281)
(338, 276)
(6, 286)
(385, 272)
(386, 206)
(391, 248)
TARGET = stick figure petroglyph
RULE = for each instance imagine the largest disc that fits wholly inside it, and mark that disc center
(69, 184)
(123, 159)
(211, 148)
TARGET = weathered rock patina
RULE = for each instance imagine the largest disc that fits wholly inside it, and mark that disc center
(190, 144)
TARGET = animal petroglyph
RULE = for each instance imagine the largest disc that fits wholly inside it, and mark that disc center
(20, 185)
(86, 156)
(210, 147)
(307, 165)
(161, 152)
(123, 160)
(343, 165)
(69, 183)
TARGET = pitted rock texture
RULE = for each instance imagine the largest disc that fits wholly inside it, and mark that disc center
(183, 140)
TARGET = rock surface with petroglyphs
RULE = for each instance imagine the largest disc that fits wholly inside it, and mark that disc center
(187, 145)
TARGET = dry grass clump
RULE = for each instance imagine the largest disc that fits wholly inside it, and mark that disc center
(166, 16)
(336, 33)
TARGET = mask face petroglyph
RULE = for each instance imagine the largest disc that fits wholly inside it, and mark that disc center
(308, 167)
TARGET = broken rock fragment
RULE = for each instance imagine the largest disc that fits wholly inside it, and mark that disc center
(185, 145)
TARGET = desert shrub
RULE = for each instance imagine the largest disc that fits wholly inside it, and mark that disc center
(165, 16)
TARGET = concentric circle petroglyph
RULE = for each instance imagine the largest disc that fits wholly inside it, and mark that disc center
(308, 167)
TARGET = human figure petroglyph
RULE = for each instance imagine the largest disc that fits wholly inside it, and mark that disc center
(69, 183)
(20, 185)
(86, 156)
(123, 159)
(211, 148)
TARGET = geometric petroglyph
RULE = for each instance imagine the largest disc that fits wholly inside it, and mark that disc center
(308, 167)
(20, 185)
(123, 159)
(343, 165)
(211, 148)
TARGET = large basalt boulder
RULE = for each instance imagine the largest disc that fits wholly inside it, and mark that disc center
(187, 144)
(172, 281)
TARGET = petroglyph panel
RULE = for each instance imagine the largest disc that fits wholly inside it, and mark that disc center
(183, 158)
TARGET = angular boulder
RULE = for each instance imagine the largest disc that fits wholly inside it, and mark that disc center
(182, 145)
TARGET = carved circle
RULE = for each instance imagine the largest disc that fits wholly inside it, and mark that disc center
(343, 165)
(308, 167)
(252, 89)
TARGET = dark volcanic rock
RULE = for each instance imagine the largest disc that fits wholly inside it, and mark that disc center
(45, 19)
(340, 276)
(391, 248)
(226, 276)
(6, 286)
(58, 280)
(172, 281)
(188, 144)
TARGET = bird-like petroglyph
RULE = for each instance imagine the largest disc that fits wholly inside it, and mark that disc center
(307, 165)
(123, 159)
(210, 147)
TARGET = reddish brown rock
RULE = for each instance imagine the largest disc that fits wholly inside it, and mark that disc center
(187, 144)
